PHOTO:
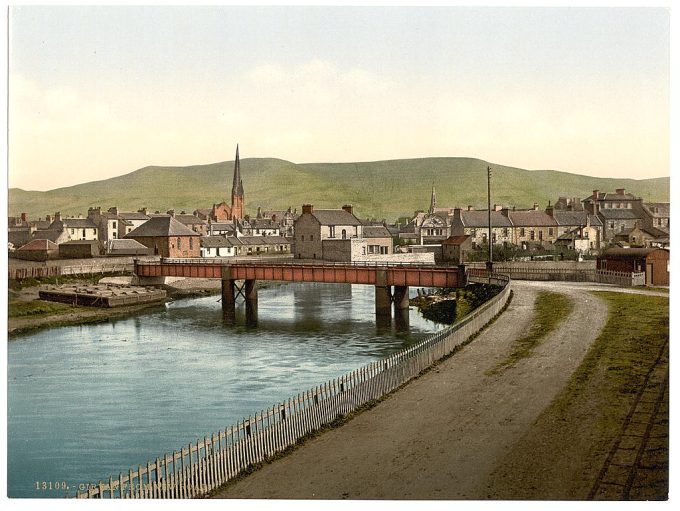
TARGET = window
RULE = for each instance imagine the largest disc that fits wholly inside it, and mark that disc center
(540, 235)
(311, 237)
(331, 228)
(303, 237)
(505, 232)
(344, 234)
(179, 243)
(521, 231)
(114, 224)
(531, 235)
(550, 231)
(84, 234)
(191, 243)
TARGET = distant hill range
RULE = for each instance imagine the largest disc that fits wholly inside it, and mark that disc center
(382, 189)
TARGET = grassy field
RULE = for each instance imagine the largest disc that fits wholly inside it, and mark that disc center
(550, 309)
(383, 189)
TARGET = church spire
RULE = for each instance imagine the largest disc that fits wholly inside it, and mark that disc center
(433, 200)
(237, 186)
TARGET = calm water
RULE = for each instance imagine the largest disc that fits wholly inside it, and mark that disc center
(86, 402)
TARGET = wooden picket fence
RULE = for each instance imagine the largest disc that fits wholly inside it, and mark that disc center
(200, 467)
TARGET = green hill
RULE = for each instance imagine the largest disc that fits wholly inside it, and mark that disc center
(382, 189)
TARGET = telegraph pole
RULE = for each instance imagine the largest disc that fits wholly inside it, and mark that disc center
(489, 263)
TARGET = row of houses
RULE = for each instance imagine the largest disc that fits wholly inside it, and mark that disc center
(586, 226)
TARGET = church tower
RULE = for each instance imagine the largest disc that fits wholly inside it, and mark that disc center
(433, 201)
(237, 191)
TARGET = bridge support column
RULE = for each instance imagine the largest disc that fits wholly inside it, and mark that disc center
(401, 320)
(383, 301)
(400, 298)
(251, 290)
(250, 295)
(228, 295)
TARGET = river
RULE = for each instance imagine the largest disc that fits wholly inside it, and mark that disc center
(86, 402)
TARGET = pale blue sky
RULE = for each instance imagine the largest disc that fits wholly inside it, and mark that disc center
(102, 91)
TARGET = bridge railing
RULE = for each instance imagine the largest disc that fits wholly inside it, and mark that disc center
(220, 261)
(200, 467)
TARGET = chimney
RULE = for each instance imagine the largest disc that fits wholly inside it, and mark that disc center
(550, 209)
(348, 208)
(57, 216)
(497, 207)
(143, 211)
(48, 218)
(621, 191)
(505, 212)
(596, 194)
(470, 208)
(24, 218)
(170, 212)
(307, 209)
(114, 210)
(457, 228)
(535, 206)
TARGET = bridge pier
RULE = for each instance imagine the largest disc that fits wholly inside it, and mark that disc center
(229, 299)
(383, 301)
(400, 298)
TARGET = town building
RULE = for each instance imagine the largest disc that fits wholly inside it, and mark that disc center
(191, 221)
(285, 220)
(218, 246)
(577, 227)
(532, 227)
(80, 249)
(475, 223)
(329, 234)
(115, 224)
(75, 228)
(167, 237)
(617, 211)
(641, 236)
(126, 247)
(378, 240)
(455, 249)
(37, 250)
(658, 215)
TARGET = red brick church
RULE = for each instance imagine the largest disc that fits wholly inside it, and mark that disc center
(222, 212)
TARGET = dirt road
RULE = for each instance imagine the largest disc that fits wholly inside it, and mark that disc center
(443, 435)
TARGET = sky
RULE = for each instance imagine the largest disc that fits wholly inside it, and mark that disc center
(96, 92)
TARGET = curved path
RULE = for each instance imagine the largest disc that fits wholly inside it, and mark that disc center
(442, 436)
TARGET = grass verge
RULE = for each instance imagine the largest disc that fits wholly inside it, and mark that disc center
(561, 455)
(39, 308)
(550, 310)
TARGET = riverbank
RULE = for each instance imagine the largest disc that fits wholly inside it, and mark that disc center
(28, 313)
